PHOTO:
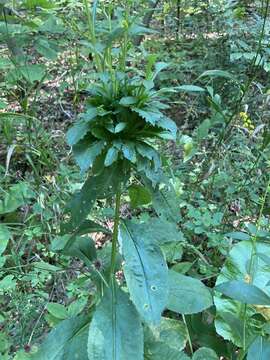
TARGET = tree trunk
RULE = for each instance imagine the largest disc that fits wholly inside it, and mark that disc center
(147, 20)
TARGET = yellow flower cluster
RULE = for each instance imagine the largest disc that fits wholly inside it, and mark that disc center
(247, 123)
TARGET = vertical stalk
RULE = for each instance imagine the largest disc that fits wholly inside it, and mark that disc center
(92, 34)
(115, 231)
(178, 18)
(188, 334)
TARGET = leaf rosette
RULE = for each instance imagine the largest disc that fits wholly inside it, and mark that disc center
(122, 119)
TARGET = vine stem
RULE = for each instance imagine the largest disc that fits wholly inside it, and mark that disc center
(115, 231)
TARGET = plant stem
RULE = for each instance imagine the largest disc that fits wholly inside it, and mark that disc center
(188, 334)
(92, 34)
(115, 231)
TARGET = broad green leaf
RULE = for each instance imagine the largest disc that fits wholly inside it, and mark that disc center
(150, 153)
(168, 124)
(203, 129)
(150, 115)
(18, 195)
(3, 104)
(139, 195)
(77, 132)
(166, 205)
(202, 332)
(22, 355)
(99, 186)
(5, 235)
(128, 150)
(120, 127)
(238, 235)
(111, 156)
(77, 306)
(259, 350)
(128, 100)
(182, 267)
(173, 251)
(187, 295)
(244, 292)
(136, 29)
(145, 271)
(166, 341)
(46, 48)
(230, 320)
(115, 332)
(57, 310)
(190, 88)
(205, 354)
(218, 73)
(161, 351)
(68, 341)
(33, 72)
(82, 247)
(162, 231)
(85, 153)
(42, 265)
(4, 343)
(8, 283)
(52, 25)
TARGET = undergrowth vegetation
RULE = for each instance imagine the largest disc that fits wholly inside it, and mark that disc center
(134, 180)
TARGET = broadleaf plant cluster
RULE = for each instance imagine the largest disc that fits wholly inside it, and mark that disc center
(114, 141)
(134, 237)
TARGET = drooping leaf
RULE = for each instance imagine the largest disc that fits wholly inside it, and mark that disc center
(244, 292)
(115, 332)
(218, 73)
(158, 68)
(187, 295)
(68, 341)
(145, 271)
